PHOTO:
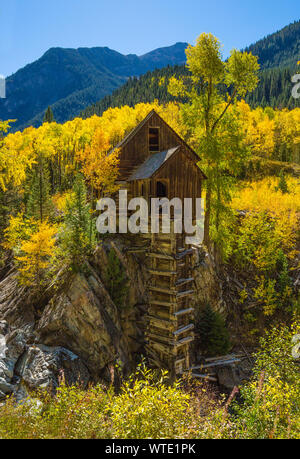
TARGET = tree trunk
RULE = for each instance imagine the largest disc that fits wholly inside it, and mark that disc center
(206, 240)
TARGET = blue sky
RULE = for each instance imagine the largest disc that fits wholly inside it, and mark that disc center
(29, 27)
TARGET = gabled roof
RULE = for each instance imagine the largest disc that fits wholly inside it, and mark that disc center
(135, 130)
(132, 133)
(142, 123)
(152, 164)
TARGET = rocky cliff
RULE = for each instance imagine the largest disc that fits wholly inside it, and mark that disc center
(76, 329)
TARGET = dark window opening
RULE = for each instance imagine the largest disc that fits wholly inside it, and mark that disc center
(142, 189)
(153, 139)
(161, 190)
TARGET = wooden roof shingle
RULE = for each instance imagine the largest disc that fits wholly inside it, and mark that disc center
(153, 164)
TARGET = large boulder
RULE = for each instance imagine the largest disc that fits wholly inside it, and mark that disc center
(43, 367)
(24, 368)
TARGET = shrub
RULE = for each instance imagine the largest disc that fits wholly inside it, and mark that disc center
(271, 402)
(149, 408)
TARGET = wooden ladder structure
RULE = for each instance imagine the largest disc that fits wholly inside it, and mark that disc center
(170, 316)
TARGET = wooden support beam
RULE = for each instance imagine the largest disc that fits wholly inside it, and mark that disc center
(162, 256)
(162, 273)
(186, 293)
(184, 329)
(164, 324)
(161, 340)
(183, 312)
(162, 290)
(219, 363)
(181, 282)
(186, 340)
(162, 303)
(168, 353)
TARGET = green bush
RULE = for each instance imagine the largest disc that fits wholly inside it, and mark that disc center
(270, 405)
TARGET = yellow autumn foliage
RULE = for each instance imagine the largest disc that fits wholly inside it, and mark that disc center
(60, 200)
(263, 195)
(18, 231)
(37, 254)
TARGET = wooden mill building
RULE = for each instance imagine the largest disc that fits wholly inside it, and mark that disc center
(155, 163)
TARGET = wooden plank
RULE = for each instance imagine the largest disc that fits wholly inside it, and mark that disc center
(223, 357)
(186, 293)
(163, 290)
(161, 323)
(216, 364)
(162, 273)
(162, 303)
(183, 312)
(183, 341)
(181, 282)
(158, 345)
(184, 329)
(161, 255)
(163, 340)
(166, 352)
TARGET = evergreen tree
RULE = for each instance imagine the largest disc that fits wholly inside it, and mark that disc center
(49, 117)
(213, 335)
(282, 184)
(79, 234)
(39, 204)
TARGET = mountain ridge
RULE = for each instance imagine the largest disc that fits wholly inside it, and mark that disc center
(73, 81)
(70, 79)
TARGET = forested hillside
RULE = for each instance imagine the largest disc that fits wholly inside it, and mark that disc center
(281, 49)
(71, 79)
(278, 56)
(274, 90)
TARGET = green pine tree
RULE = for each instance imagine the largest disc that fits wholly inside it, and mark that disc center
(282, 184)
(79, 234)
(39, 204)
(212, 331)
(48, 117)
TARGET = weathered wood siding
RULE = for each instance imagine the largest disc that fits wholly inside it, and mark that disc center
(136, 151)
(183, 177)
